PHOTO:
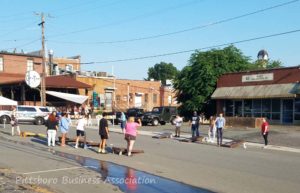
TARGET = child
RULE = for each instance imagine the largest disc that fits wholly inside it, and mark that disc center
(178, 123)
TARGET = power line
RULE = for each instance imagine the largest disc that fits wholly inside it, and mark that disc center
(181, 52)
(192, 50)
(125, 20)
(23, 45)
(184, 30)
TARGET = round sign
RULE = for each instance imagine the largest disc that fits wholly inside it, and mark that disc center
(32, 79)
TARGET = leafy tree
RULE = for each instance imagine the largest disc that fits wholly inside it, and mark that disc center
(261, 64)
(162, 71)
(197, 81)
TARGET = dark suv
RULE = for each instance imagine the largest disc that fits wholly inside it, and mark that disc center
(160, 115)
(137, 113)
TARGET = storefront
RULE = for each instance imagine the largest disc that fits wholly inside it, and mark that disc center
(273, 94)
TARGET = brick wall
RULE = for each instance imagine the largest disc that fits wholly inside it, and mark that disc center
(14, 63)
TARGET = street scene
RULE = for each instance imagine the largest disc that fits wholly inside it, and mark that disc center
(186, 96)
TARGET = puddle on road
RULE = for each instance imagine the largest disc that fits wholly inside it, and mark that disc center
(130, 180)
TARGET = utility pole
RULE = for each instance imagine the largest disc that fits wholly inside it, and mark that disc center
(43, 76)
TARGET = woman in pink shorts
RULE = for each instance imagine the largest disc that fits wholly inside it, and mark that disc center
(130, 133)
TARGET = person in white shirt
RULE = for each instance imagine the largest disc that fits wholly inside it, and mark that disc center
(80, 131)
(14, 122)
(178, 122)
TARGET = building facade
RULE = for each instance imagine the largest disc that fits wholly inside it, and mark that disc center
(121, 94)
(270, 93)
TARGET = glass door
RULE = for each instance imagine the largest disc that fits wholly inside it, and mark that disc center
(238, 108)
(287, 111)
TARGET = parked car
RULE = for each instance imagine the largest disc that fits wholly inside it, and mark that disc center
(160, 115)
(27, 114)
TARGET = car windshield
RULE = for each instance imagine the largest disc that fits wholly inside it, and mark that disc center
(157, 110)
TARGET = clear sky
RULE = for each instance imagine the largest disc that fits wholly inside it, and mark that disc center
(92, 29)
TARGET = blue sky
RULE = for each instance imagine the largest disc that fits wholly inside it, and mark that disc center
(78, 27)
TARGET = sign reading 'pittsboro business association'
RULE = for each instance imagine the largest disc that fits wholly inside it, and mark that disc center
(258, 77)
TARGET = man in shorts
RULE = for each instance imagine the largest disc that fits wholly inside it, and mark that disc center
(103, 132)
(80, 131)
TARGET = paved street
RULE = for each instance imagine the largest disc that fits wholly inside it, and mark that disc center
(204, 166)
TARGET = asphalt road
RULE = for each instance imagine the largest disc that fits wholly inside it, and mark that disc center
(204, 166)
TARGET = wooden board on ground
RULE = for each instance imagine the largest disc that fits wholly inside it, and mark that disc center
(89, 143)
(192, 139)
(30, 134)
(233, 144)
(121, 150)
(163, 136)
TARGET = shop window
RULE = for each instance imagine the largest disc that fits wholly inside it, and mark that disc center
(297, 109)
(247, 108)
(1, 64)
(257, 108)
(229, 108)
(275, 109)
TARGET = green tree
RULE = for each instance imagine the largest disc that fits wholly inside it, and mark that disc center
(197, 81)
(162, 71)
(269, 64)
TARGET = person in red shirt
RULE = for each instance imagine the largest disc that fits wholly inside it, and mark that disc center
(265, 130)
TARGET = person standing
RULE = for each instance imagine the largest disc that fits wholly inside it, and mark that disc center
(178, 123)
(14, 122)
(131, 133)
(52, 126)
(220, 124)
(103, 132)
(265, 131)
(64, 126)
(212, 129)
(80, 131)
(123, 121)
(195, 123)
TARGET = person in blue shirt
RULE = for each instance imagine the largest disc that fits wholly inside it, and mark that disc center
(123, 121)
(64, 125)
(220, 124)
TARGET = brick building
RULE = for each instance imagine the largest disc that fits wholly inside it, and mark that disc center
(19, 63)
(271, 93)
(128, 93)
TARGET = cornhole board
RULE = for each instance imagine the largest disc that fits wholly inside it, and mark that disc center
(121, 150)
(163, 136)
(193, 139)
(233, 144)
(30, 134)
(89, 143)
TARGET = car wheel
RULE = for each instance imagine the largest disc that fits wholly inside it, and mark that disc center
(162, 123)
(5, 117)
(155, 122)
(39, 121)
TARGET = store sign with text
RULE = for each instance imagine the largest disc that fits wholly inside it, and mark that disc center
(258, 77)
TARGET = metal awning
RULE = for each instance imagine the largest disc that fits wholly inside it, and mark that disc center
(258, 91)
(69, 97)
(5, 101)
